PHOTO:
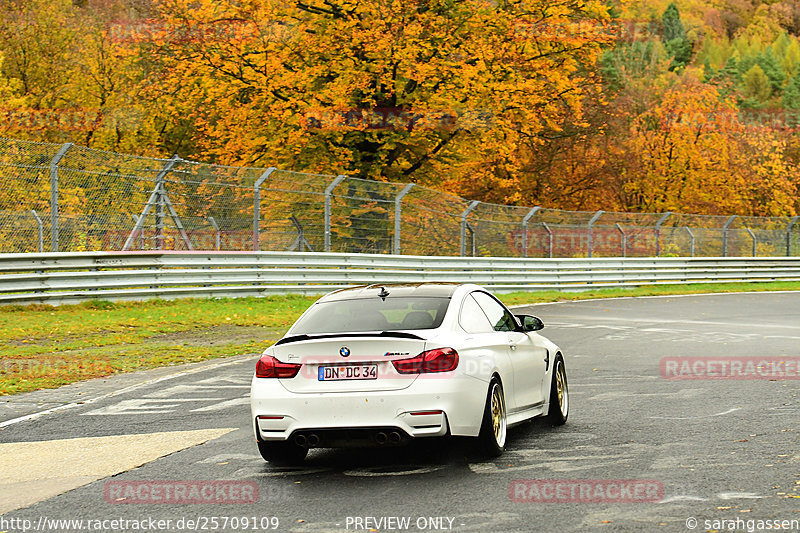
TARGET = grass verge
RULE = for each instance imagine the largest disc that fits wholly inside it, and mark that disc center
(46, 347)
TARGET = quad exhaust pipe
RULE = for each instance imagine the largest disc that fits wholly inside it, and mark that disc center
(381, 438)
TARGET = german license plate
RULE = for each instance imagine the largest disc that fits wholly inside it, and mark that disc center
(344, 373)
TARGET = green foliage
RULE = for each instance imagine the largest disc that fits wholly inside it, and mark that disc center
(681, 52)
(678, 47)
(671, 24)
(790, 59)
(756, 84)
(791, 95)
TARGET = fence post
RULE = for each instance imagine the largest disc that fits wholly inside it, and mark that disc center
(216, 231)
(624, 240)
(755, 240)
(658, 231)
(397, 215)
(41, 230)
(464, 216)
(589, 232)
(692, 237)
(525, 221)
(328, 192)
(160, 184)
(471, 238)
(549, 238)
(257, 208)
(725, 235)
(792, 222)
(54, 195)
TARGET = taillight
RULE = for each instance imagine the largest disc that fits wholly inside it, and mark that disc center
(439, 360)
(269, 367)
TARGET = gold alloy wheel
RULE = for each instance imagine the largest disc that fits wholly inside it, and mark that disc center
(561, 389)
(498, 415)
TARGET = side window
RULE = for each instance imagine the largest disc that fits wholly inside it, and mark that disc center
(472, 318)
(500, 318)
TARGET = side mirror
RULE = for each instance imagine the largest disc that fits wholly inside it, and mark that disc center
(530, 323)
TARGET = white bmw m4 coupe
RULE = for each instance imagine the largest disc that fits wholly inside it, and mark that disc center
(380, 365)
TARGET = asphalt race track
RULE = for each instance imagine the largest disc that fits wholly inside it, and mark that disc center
(714, 449)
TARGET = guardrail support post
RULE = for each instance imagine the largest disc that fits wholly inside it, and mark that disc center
(792, 222)
(624, 240)
(257, 207)
(397, 216)
(590, 231)
(755, 240)
(464, 216)
(328, 193)
(40, 226)
(660, 223)
(725, 235)
(549, 238)
(525, 221)
(54, 246)
(216, 232)
(691, 235)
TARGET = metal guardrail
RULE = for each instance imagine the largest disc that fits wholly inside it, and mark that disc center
(57, 278)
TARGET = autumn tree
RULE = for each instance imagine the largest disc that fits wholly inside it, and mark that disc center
(693, 154)
(69, 76)
(405, 90)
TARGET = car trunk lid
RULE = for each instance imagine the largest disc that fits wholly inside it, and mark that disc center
(348, 363)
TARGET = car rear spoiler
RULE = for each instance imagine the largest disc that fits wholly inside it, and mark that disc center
(391, 334)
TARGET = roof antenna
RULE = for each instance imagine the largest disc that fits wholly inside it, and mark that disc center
(383, 294)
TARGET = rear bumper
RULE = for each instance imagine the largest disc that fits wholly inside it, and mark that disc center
(430, 407)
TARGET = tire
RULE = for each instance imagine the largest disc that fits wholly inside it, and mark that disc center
(282, 453)
(559, 395)
(492, 437)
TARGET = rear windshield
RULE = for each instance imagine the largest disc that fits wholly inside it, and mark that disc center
(372, 314)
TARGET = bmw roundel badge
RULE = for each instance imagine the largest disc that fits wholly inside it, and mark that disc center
(344, 351)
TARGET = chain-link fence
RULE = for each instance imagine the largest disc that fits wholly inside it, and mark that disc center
(72, 198)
